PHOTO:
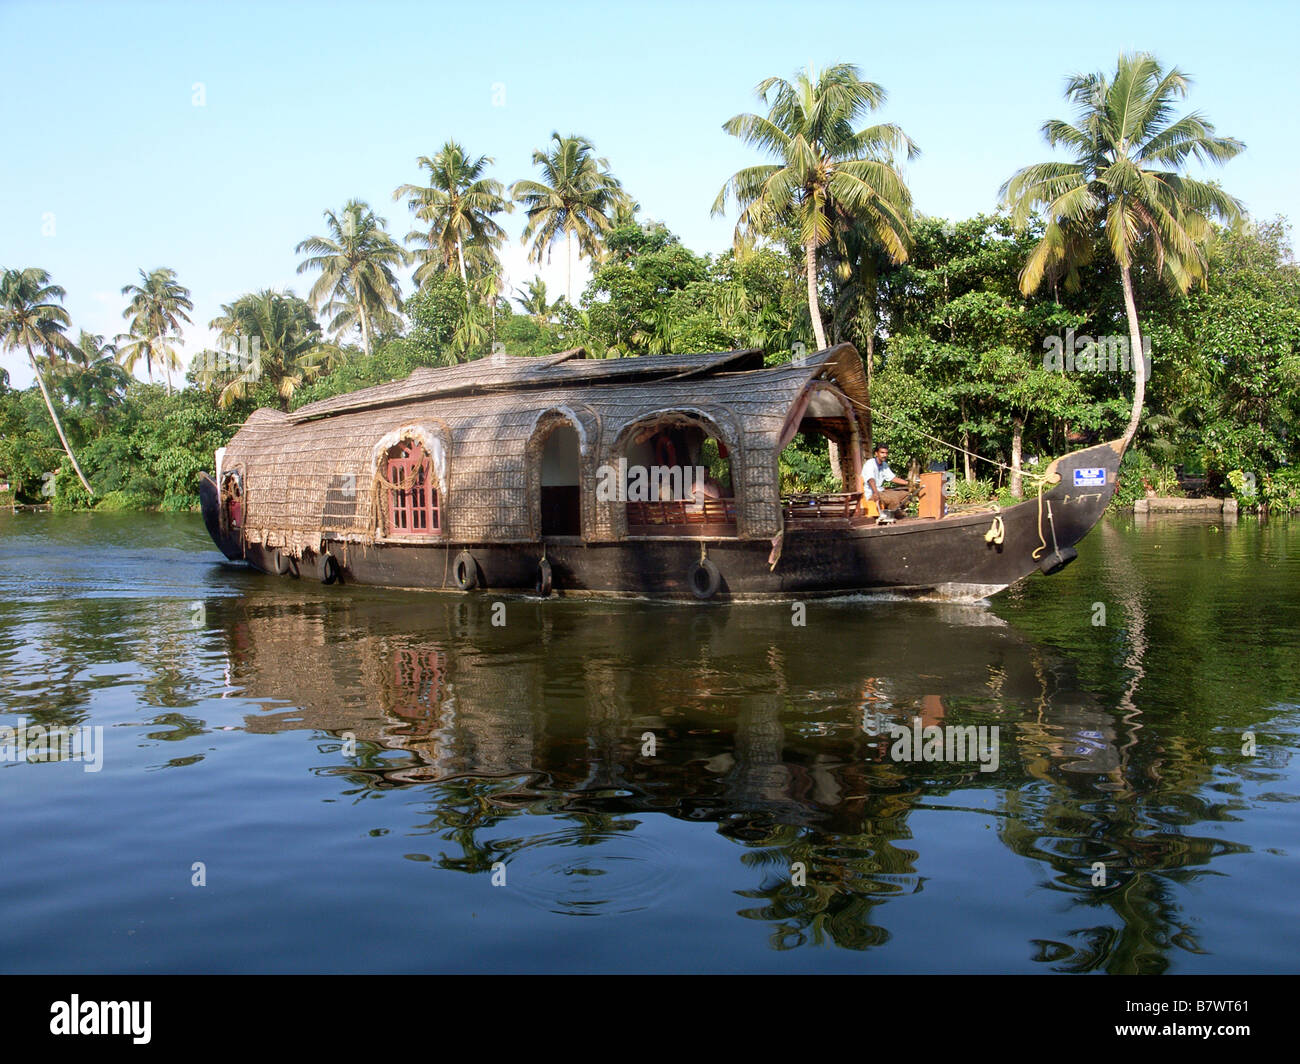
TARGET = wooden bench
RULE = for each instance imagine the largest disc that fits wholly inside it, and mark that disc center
(684, 515)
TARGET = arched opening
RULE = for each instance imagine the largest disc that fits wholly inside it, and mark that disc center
(410, 491)
(561, 470)
(821, 459)
(676, 479)
(232, 501)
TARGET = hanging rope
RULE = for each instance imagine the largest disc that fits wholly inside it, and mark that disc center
(945, 443)
(1039, 550)
(405, 485)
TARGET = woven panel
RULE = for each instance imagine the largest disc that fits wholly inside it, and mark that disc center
(309, 476)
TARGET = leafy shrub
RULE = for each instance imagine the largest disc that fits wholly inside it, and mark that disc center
(1281, 490)
(116, 501)
(964, 492)
(1139, 475)
(806, 468)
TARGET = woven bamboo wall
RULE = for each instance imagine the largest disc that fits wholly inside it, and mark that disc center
(310, 476)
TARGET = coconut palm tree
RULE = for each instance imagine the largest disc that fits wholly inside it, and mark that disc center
(31, 318)
(91, 377)
(356, 258)
(1123, 189)
(156, 310)
(457, 206)
(534, 302)
(824, 166)
(283, 336)
(625, 212)
(575, 198)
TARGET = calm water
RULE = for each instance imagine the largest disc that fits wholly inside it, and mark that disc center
(660, 787)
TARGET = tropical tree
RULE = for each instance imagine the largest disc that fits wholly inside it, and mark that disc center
(824, 167)
(625, 211)
(283, 340)
(155, 313)
(457, 206)
(31, 318)
(534, 302)
(356, 286)
(1123, 189)
(575, 198)
(91, 377)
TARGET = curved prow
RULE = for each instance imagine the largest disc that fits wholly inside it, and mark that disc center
(1077, 489)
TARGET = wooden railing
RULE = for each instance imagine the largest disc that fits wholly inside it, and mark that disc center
(837, 507)
(657, 516)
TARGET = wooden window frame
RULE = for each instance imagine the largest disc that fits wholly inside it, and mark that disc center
(415, 511)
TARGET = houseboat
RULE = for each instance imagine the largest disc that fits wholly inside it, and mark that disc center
(651, 476)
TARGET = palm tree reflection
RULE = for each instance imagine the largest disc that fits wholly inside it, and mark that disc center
(598, 718)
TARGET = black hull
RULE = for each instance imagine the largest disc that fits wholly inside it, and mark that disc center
(948, 558)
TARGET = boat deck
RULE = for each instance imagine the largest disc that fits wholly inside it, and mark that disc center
(717, 517)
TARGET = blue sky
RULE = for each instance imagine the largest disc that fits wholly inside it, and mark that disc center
(307, 105)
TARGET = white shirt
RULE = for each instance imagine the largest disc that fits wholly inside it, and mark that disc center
(883, 476)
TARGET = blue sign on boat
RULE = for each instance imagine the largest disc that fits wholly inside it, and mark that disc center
(1090, 477)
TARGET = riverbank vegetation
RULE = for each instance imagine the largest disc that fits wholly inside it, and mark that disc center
(991, 343)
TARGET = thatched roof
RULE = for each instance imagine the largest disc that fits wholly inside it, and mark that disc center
(312, 473)
(505, 373)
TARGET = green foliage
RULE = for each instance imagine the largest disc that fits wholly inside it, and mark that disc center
(288, 348)
(29, 447)
(970, 491)
(118, 501)
(965, 354)
(69, 494)
(525, 336)
(457, 209)
(1277, 491)
(1280, 490)
(1141, 475)
(435, 312)
(357, 288)
(805, 467)
(148, 454)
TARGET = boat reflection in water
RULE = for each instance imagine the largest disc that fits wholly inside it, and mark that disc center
(600, 716)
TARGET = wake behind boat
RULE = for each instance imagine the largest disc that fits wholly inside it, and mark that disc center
(654, 475)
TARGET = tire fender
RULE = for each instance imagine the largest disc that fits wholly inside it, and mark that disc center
(704, 579)
(329, 569)
(465, 571)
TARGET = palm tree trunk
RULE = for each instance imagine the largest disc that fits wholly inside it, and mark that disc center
(58, 427)
(866, 414)
(1017, 442)
(568, 266)
(464, 277)
(1135, 353)
(167, 373)
(814, 311)
(965, 443)
(365, 327)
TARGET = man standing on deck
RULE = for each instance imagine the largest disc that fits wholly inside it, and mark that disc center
(877, 476)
